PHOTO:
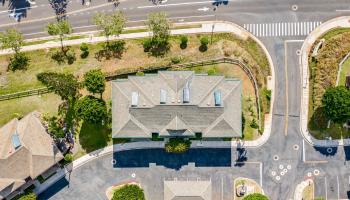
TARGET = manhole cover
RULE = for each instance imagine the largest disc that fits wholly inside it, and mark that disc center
(273, 173)
(289, 167)
(133, 175)
(281, 167)
(275, 157)
(285, 170)
(309, 174)
(114, 161)
(282, 173)
(278, 178)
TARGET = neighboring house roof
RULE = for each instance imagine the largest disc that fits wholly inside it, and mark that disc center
(26, 150)
(157, 103)
(187, 190)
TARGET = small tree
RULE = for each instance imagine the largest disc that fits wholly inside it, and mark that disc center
(159, 25)
(204, 44)
(94, 81)
(60, 28)
(110, 24)
(336, 103)
(28, 196)
(84, 48)
(12, 39)
(91, 109)
(65, 85)
(128, 192)
(255, 196)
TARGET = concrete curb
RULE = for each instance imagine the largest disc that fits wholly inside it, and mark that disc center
(304, 68)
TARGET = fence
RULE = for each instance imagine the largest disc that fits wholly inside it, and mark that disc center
(113, 75)
(26, 93)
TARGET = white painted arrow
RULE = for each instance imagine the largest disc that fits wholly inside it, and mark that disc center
(203, 9)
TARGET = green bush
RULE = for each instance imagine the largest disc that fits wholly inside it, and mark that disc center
(253, 124)
(211, 71)
(140, 73)
(68, 157)
(255, 196)
(91, 109)
(129, 192)
(204, 44)
(84, 50)
(176, 59)
(147, 45)
(336, 103)
(177, 145)
(29, 196)
(19, 62)
(58, 56)
(70, 56)
(55, 126)
(184, 40)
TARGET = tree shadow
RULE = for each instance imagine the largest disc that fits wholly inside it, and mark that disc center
(18, 8)
(111, 50)
(220, 2)
(93, 136)
(60, 8)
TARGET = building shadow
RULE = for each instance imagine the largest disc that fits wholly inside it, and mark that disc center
(54, 189)
(347, 152)
(327, 151)
(201, 157)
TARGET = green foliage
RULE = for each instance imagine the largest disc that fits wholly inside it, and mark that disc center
(176, 59)
(94, 81)
(211, 71)
(91, 109)
(159, 25)
(68, 157)
(336, 103)
(255, 196)
(65, 85)
(140, 73)
(111, 24)
(147, 44)
(12, 39)
(177, 145)
(70, 56)
(55, 126)
(114, 49)
(184, 40)
(60, 28)
(253, 124)
(128, 192)
(204, 44)
(28, 196)
(84, 48)
(18, 62)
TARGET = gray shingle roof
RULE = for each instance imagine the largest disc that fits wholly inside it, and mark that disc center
(187, 190)
(175, 117)
(36, 154)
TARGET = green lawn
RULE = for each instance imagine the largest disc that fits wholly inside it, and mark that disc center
(10, 109)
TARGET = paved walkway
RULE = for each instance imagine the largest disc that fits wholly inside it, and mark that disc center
(306, 48)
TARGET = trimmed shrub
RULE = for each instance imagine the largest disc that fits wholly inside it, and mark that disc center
(140, 73)
(184, 40)
(176, 59)
(29, 196)
(204, 44)
(84, 48)
(147, 45)
(70, 56)
(211, 71)
(255, 196)
(19, 62)
(177, 145)
(68, 157)
(129, 192)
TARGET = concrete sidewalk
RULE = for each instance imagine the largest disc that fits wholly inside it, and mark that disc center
(339, 22)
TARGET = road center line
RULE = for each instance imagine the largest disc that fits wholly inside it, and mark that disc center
(178, 4)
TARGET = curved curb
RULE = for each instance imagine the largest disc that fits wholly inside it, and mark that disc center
(339, 22)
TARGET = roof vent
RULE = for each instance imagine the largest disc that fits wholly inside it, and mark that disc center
(217, 98)
(162, 96)
(15, 141)
(134, 99)
(186, 94)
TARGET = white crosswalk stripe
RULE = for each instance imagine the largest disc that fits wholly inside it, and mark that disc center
(281, 28)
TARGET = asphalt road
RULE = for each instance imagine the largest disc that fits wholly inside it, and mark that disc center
(285, 148)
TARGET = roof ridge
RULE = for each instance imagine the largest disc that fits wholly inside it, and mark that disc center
(132, 81)
(230, 91)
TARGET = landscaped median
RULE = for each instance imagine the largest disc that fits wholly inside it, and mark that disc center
(324, 65)
(236, 44)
